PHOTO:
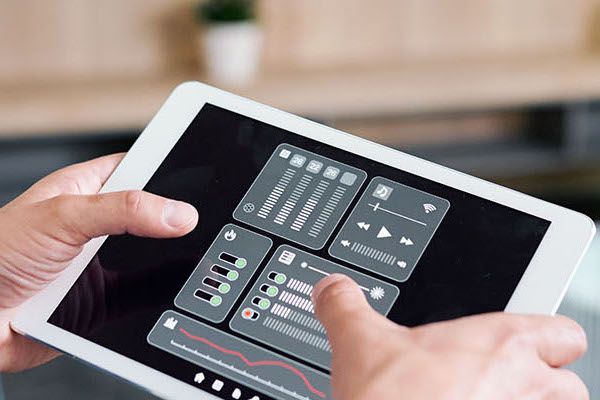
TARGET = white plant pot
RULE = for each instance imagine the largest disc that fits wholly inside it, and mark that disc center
(232, 52)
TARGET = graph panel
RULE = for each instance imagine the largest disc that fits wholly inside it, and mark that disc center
(300, 196)
(389, 229)
(223, 272)
(278, 310)
(237, 359)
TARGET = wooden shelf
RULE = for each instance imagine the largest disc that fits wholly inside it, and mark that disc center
(328, 95)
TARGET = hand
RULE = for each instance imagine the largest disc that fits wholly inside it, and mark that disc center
(492, 356)
(42, 230)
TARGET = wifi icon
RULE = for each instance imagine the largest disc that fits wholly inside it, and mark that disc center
(429, 208)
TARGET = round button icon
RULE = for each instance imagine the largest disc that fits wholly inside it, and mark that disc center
(230, 235)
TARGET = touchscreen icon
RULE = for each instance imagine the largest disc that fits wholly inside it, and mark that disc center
(170, 323)
(382, 192)
(217, 385)
(383, 233)
(286, 257)
(285, 153)
(348, 179)
(230, 235)
(199, 377)
(314, 166)
(297, 160)
(429, 208)
(331, 172)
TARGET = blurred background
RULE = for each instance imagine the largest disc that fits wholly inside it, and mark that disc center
(507, 90)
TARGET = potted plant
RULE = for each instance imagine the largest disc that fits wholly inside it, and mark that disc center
(232, 40)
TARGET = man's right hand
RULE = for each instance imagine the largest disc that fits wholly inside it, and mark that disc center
(492, 356)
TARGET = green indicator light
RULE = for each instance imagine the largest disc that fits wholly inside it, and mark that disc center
(272, 291)
(215, 301)
(264, 304)
(224, 288)
(241, 262)
(232, 275)
(280, 278)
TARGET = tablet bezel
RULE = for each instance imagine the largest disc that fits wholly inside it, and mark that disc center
(540, 290)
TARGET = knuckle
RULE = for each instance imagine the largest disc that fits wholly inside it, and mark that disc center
(132, 201)
(61, 203)
(59, 208)
(512, 337)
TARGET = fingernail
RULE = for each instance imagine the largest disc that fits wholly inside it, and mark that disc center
(178, 214)
(579, 336)
(324, 283)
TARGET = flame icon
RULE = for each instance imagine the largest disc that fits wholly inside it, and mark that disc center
(230, 235)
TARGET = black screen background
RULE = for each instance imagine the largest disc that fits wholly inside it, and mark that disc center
(472, 264)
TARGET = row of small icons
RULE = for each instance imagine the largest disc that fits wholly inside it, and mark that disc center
(171, 323)
(383, 233)
(218, 384)
(314, 166)
(383, 192)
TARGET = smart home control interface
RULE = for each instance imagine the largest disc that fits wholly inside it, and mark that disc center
(227, 308)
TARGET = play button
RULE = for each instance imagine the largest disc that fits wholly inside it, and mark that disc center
(383, 233)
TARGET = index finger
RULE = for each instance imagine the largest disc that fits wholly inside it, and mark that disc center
(557, 340)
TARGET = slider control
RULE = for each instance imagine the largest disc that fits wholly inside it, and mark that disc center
(213, 299)
(239, 262)
(227, 273)
(222, 287)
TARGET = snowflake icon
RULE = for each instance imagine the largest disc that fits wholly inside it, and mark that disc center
(377, 293)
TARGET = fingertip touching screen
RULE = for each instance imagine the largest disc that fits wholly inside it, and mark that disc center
(227, 307)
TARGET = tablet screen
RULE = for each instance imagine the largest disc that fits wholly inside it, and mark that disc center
(227, 307)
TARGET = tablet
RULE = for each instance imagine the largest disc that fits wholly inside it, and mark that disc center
(225, 311)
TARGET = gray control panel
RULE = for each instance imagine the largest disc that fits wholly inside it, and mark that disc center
(236, 359)
(223, 272)
(389, 229)
(300, 196)
(278, 310)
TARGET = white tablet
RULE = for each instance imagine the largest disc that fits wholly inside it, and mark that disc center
(225, 311)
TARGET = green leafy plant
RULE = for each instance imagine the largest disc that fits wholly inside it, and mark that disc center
(224, 11)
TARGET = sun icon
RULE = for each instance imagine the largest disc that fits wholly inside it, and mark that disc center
(377, 293)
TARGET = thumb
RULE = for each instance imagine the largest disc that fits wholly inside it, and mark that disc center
(343, 310)
(82, 217)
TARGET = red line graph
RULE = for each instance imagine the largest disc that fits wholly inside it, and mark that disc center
(249, 363)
